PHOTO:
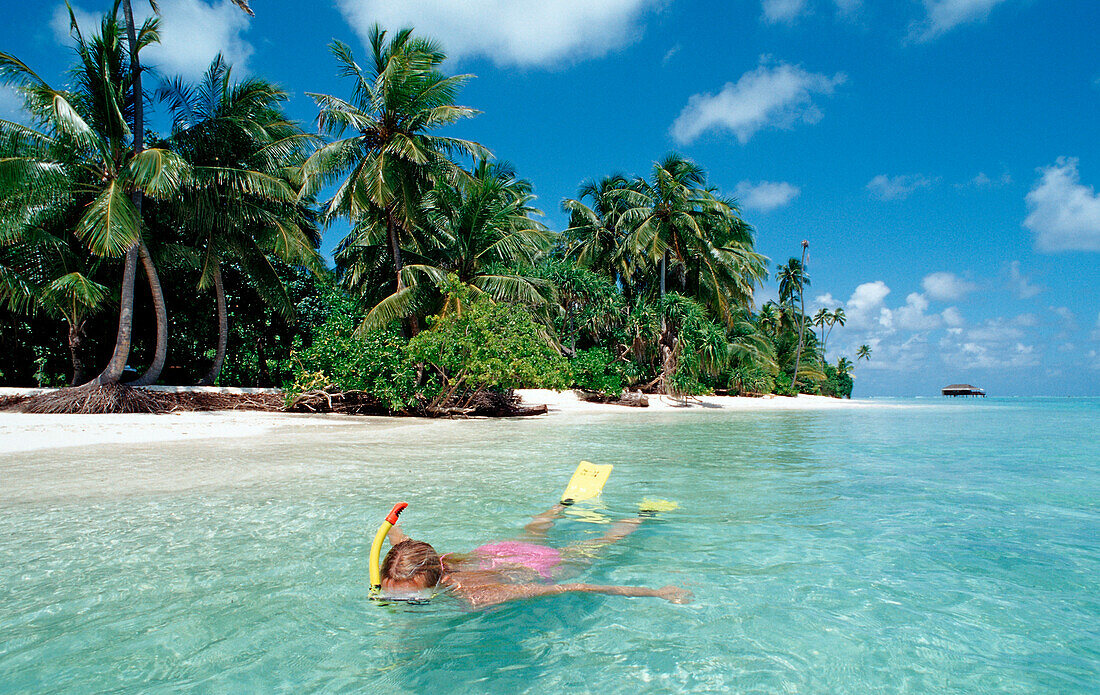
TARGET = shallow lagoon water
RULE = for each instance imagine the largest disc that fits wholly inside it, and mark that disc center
(929, 547)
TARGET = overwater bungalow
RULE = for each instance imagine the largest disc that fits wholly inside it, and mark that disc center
(962, 390)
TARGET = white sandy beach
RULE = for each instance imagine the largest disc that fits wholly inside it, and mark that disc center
(22, 432)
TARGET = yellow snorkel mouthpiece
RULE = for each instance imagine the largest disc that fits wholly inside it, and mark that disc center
(376, 548)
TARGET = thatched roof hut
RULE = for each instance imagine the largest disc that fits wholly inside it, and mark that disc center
(962, 390)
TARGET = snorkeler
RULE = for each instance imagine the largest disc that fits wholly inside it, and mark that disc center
(509, 570)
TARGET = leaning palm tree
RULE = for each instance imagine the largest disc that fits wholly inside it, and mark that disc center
(836, 318)
(863, 353)
(486, 238)
(136, 40)
(392, 156)
(794, 279)
(82, 150)
(240, 199)
(821, 319)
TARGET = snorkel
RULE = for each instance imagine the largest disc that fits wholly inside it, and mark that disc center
(376, 549)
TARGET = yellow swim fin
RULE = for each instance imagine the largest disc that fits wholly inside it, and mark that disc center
(649, 506)
(587, 482)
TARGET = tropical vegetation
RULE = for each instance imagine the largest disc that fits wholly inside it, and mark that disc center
(447, 283)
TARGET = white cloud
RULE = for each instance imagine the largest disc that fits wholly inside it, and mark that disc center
(1021, 284)
(670, 54)
(1067, 316)
(776, 95)
(911, 317)
(61, 23)
(782, 10)
(952, 317)
(983, 180)
(11, 104)
(824, 301)
(864, 307)
(996, 343)
(946, 287)
(192, 32)
(1063, 213)
(1095, 335)
(766, 195)
(944, 15)
(788, 11)
(886, 187)
(509, 32)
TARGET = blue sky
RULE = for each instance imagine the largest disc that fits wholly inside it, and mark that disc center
(941, 156)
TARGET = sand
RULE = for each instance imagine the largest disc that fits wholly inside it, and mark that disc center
(20, 432)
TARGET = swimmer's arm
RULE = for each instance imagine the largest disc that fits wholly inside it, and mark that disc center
(396, 535)
(492, 594)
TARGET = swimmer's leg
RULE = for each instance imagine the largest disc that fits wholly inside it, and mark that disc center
(536, 530)
(577, 556)
(618, 531)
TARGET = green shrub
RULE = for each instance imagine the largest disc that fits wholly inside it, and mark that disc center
(783, 385)
(482, 344)
(595, 369)
(376, 362)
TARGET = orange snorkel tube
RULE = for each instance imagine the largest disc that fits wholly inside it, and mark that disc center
(376, 548)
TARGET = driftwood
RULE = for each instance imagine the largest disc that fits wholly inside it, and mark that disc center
(473, 404)
(632, 399)
(332, 400)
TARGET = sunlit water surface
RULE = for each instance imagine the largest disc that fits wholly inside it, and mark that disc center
(926, 548)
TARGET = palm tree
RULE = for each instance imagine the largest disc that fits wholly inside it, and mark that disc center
(821, 319)
(41, 271)
(837, 318)
(392, 156)
(135, 41)
(844, 366)
(486, 237)
(793, 278)
(769, 318)
(863, 353)
(664, 213)
(674, 219)
(594, 237)
(240, 200)
(84, 152)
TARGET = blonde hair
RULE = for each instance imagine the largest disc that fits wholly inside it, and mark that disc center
(412, 560)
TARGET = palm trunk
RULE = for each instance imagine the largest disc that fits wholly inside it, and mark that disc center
(801, 325)
(113, 371)
(395, 249)
(76, 351)
(664, 265)
(121, 354)
(223, 329)
(153, 373)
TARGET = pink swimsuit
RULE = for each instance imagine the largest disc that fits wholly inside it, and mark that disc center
(539, 558)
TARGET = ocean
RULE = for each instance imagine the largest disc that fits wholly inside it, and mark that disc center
(922, 546)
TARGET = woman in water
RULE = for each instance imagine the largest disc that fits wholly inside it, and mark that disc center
(508, 570)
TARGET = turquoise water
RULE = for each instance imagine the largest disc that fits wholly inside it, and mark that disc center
(932, 547)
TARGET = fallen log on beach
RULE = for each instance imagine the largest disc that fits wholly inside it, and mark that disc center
(632, 399)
